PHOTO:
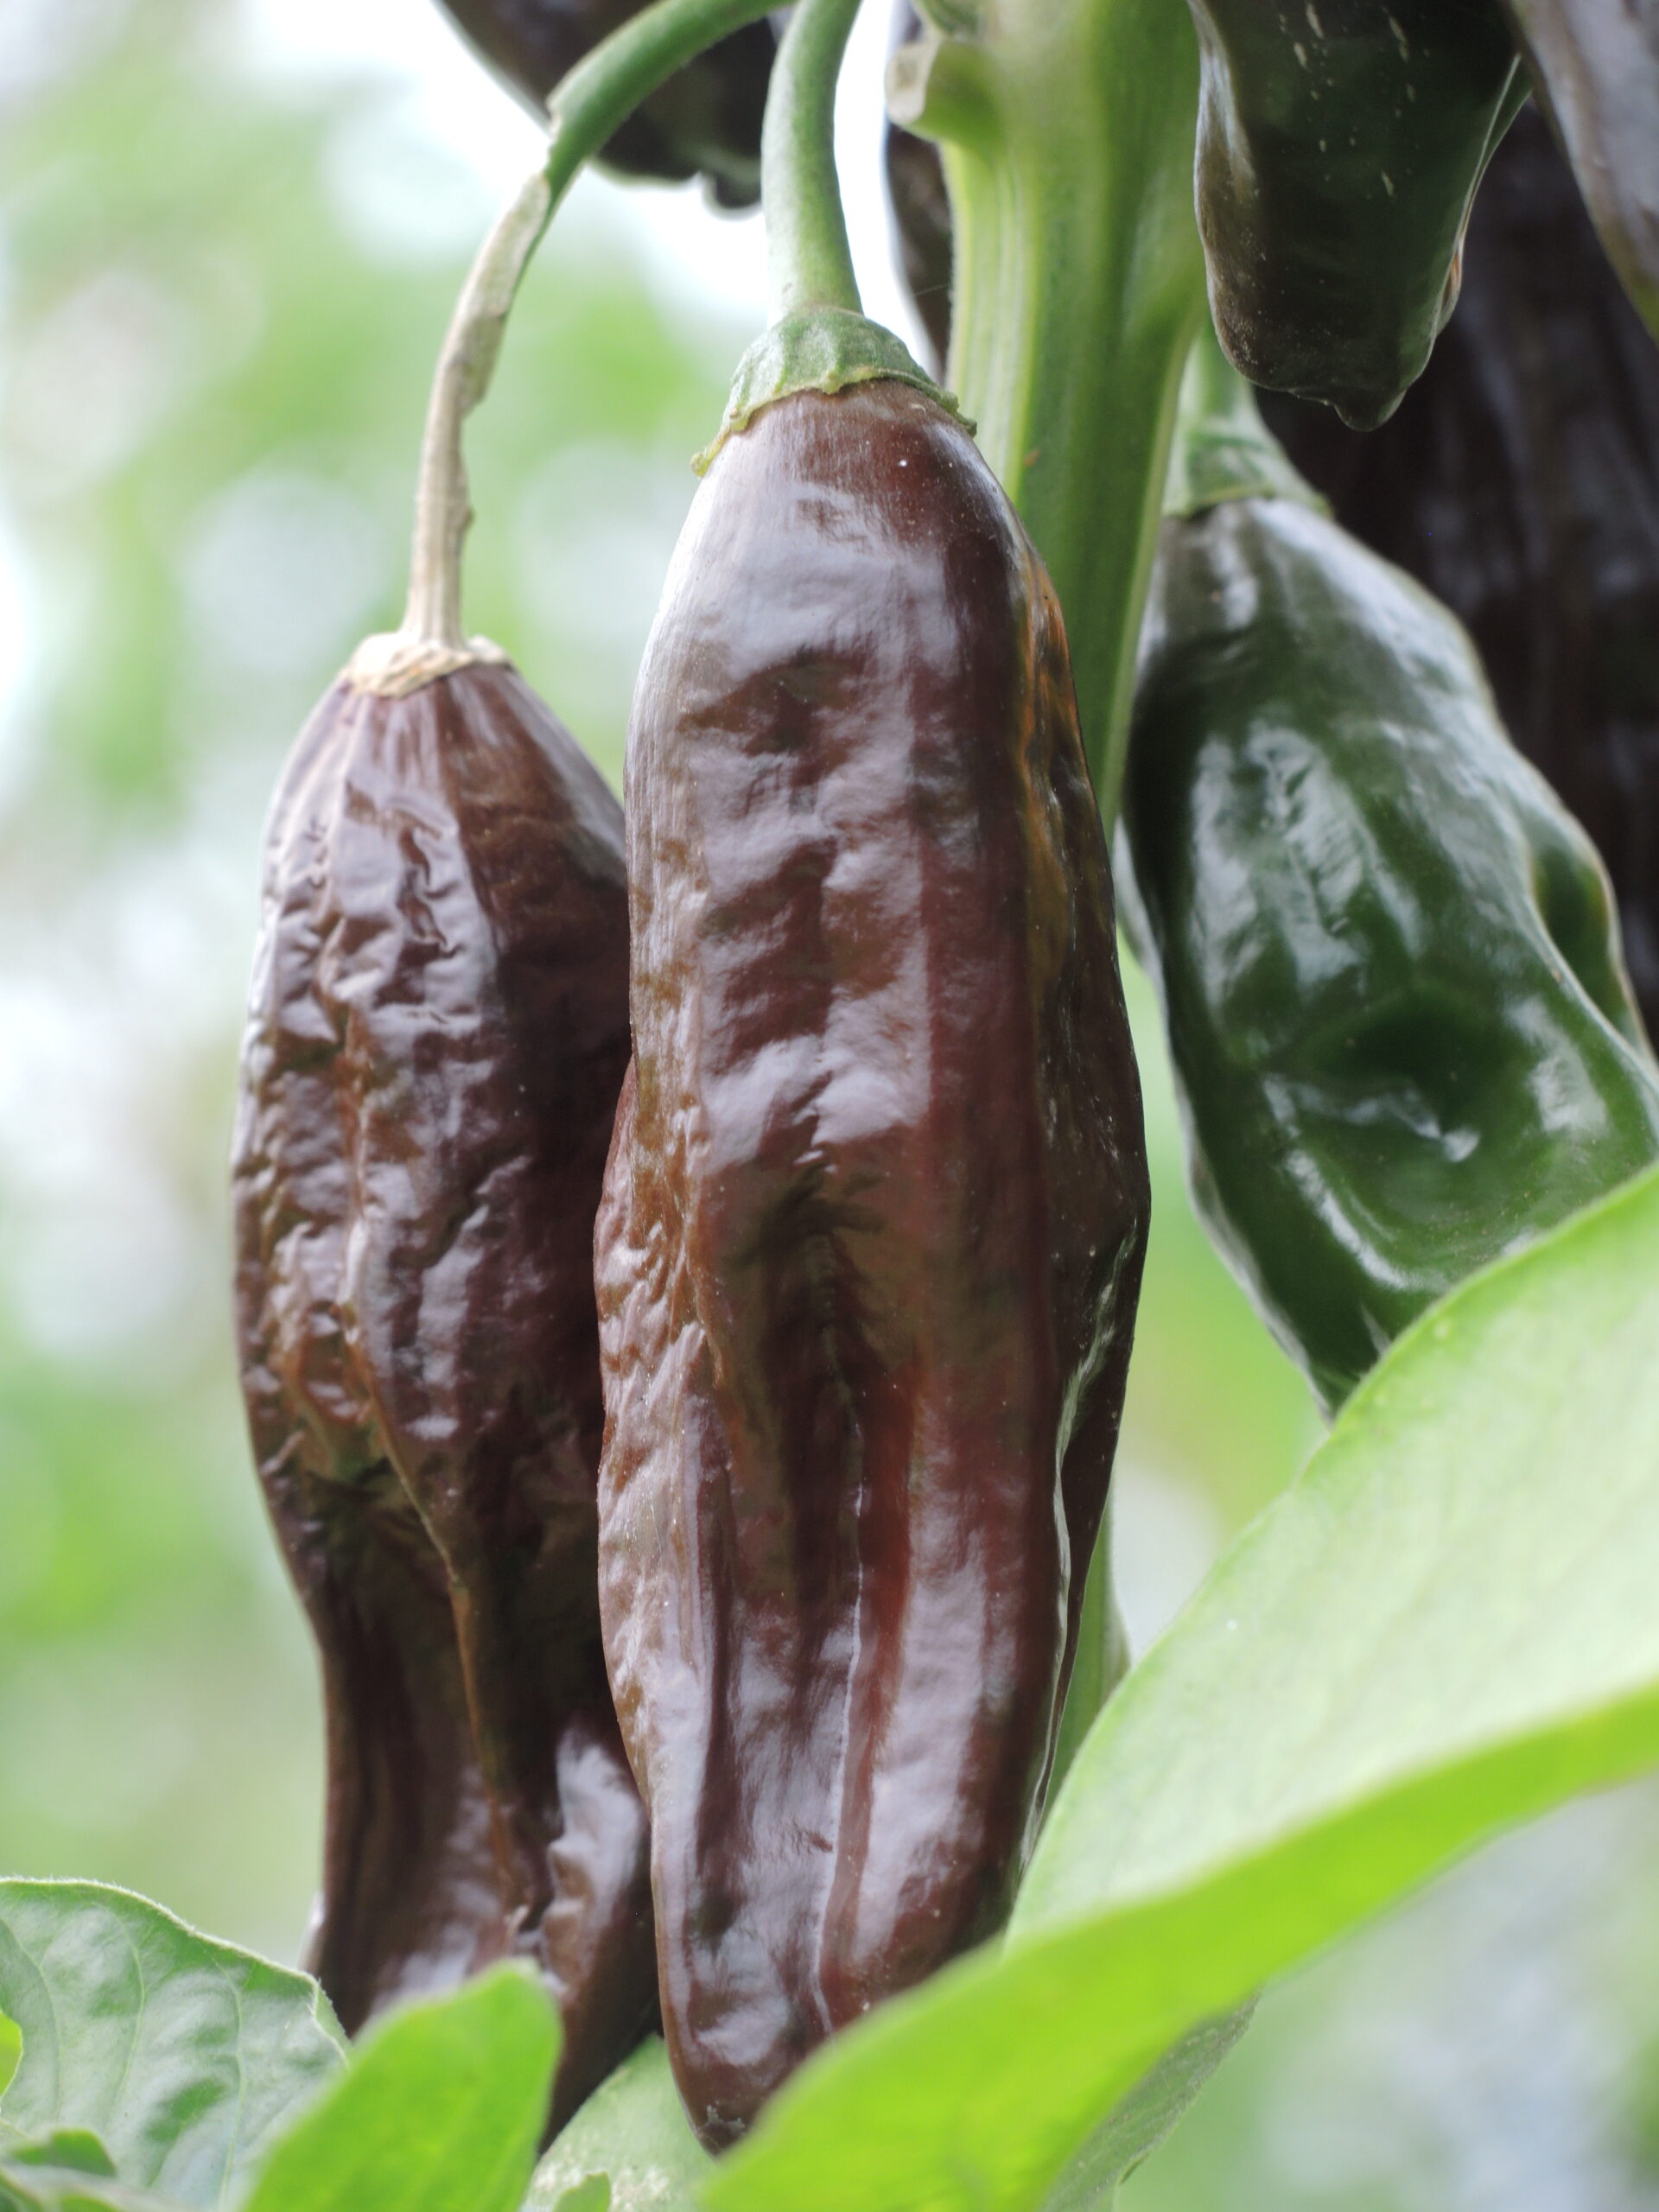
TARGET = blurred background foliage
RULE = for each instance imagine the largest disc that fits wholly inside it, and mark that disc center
(229, 240)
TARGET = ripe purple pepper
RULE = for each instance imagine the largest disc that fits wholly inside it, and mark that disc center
(873, 1227)
(436, 1034)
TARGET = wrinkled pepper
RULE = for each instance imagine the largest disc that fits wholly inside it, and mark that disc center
(1520, 483)
(1595, 67)
(437, 1032)
(876, 1207)
(1396, 1006)
(706, 118)
(1339, 145)
(436, 1038)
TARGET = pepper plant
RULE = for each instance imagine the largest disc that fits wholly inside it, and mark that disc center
(954, 1911)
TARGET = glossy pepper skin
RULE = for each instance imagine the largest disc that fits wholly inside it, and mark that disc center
(1520, 483)
(873, 1227)
(1396, 1008)
(1596, 68)
(706, 117)
(436, 1035)
(1339, 145)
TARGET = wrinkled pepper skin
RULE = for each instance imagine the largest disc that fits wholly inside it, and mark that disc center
(1339, 146)
(436, 1036)
(918, 203)
(1520, 483)
(872, 1228)
(706, 117)
(1396, 1009)
(1595, 67)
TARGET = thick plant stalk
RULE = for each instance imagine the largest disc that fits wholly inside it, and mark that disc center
(1068, 130)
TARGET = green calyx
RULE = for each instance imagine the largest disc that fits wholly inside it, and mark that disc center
(818, 349)
(1222, 449)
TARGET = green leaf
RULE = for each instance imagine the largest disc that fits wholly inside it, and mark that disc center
(634, 2132)
(1446, 1626)
(1138, 2124)
(184, 2055)
(11, 2051)
(441, 2111)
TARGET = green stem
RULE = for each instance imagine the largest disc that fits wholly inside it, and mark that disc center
(1222, 449)
(809, 260)
(1068, 126)
(819, 339)
(585, 109)
(592, 102)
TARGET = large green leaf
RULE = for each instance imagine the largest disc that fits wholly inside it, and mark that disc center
(441, 2111)
(1447, 1625)
(184, 2055)
(632, 2131)
(12, 2049)
(1140, 2120)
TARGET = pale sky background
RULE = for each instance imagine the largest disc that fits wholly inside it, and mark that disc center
(435, 115)
(402, 167)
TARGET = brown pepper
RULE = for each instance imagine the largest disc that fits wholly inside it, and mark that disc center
(873, 1227)
(1520, 483)
(436, 1036)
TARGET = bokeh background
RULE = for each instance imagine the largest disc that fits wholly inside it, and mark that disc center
(229, 234)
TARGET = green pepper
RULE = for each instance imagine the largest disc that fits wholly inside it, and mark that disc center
(1520, 484)
(1339, 145)
(1397, 1005)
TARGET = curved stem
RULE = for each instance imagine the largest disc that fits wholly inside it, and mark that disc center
(810, 261)
(443, 508)
(585, 109)
(592, 102)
